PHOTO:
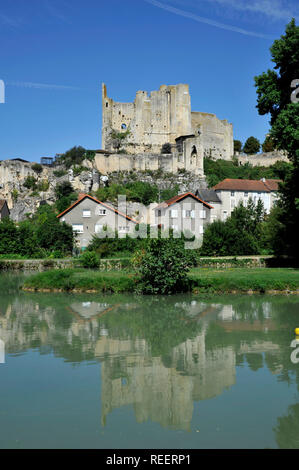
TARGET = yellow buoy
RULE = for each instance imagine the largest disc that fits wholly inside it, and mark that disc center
(296, 331)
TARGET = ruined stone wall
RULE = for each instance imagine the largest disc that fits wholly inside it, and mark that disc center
(162, 117)
(216, 135)
(153, 120)
(263, 159)
(168, 163)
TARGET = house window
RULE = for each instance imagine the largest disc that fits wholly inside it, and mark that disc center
(201, 230)
(203, 214)
(232, 193)
(224, 215)
(189, 214)
(246, 194)
(106, 105)
(123, 229)
(78, 228)
(159, 213)
(102, 212)
(86, 213)
(98, 228)
(173, 213)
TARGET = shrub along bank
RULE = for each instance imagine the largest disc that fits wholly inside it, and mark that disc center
(235, 280)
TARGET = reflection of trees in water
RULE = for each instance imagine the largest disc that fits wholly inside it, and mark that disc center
(159, 354)
(287, 429)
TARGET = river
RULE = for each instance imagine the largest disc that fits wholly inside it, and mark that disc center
(124, 371)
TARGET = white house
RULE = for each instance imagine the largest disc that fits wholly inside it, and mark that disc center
(232, 191)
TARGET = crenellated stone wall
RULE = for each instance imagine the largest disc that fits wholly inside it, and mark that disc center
(160, 118)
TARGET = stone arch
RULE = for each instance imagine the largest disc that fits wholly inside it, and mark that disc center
(193, 159)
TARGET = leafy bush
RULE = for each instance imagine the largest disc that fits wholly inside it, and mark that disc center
(59, 173)
(77, 170)
(37, 167)
(74, 156)
(89, 259)
(43, 185)
(37, 237)
(30, 182)
(163, 265)
(65, 196)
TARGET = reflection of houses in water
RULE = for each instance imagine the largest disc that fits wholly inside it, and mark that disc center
(162, 388)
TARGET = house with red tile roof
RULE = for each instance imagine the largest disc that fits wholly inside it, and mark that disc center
(89, 217)
(232, 191)
(185, 213)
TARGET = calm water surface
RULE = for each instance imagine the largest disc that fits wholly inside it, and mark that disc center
(119, 371)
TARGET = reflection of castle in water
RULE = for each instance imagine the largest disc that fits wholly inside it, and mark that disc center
(160, 393)
(161, 388)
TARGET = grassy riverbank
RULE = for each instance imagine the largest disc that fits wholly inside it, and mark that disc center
(234, 280)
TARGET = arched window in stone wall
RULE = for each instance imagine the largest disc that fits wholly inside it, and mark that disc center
(193, 155)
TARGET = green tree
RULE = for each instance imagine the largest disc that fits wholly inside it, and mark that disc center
(65, 196)
(74, 156)
(252, 145)
(240, 234)
(268, 145)
(237, 146)
(162, 266)
(274, 98)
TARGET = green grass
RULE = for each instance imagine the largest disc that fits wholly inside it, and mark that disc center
(80, 279)
(244, 279)
(201, 280)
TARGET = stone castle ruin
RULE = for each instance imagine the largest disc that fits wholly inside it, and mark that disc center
(164, 117)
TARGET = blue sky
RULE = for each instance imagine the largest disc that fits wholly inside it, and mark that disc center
(54, 54)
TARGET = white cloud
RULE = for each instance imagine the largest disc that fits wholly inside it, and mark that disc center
(202, 19)
(272, 9)
(42, 86)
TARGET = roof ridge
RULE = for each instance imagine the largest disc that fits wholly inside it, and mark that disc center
(99, 202)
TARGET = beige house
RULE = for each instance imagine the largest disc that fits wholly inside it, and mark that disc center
(233, 191)
(89, 216)
(184, 213)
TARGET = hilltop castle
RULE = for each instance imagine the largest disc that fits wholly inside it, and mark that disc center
(152, 121)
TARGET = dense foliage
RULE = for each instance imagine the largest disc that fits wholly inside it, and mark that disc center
(110, 244)
(274, 89)
(89, 259)
(218, 170)
(237, 146)
(251, 146)
(145, 193)
(162, 266)
(240, 234)
(75, 156)
(40, 236)
(65, 196)
(268, 144)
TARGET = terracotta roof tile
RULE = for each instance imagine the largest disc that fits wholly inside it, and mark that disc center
(248, 185)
